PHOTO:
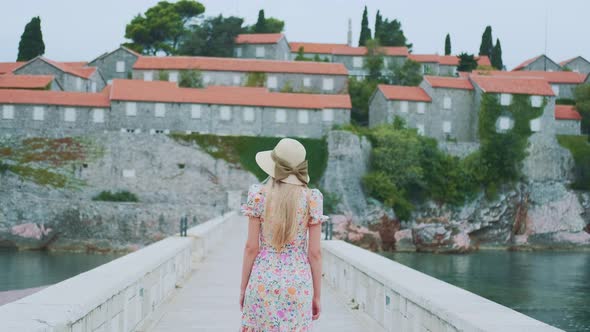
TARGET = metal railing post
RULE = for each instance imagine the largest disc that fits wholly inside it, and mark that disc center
(183, 225)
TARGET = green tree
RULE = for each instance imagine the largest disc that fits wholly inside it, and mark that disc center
(448, 45)
(162, 26)
(255, 79)
(391, 34)
(408, 74)
(301, 55)
(496, 57)
(365, 31)
(467, 62)
(487, 43)
(260, 26)
(191, 79)
(31, 41)
(360, 92)
(215, 36)
(582, 95)
(378, 22)
(266, 25)
(374, 60)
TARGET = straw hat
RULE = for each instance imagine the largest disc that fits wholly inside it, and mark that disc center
(286, 162)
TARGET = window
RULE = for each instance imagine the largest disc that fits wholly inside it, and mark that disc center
(195, 111)
(206, 79)
(271, 83)
(93, 87)
(8, 112)
(260, 52)
(328, 115)
(420, 128)
(70, 114)
(238, 52)
(447, 127)
(131, 109)
(280, 116)
(303, 116)
(173, 76)
(237, 80)
(225, 113)
(78, 83)
(504, 123)
(536, 101)
(555, 89)
(248, 114)
(328, 84)
(38, 113)
(120, 67)
(536, 125)
(421, 108)
(357, 62)
(98, 115)
(505, 99)
(403, 106)
(447, 103)
(148, 76)
(128, 173)
(160, 110)
(306, 82)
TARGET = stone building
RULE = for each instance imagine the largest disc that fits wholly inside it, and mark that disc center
(443, 65)
(71, 76)
(409, 103)
(567, 120)
(29, 82)
(538, 63)
(296, 76)
(577, 65)
(271, 46)
(137, 106)
(116, 64)
(310, 50)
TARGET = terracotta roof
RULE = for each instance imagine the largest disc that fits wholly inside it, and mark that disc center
(137, 90)
(483, 60)
(398, 92)
(75, 64)
(8, 67)
(259, 38)
(526, 63)
(73, 68)
(449, 82)
(566, 62)
(559, 77)
(513, 85)
(11, 81)
(567, 112)
(320, 48)
(447, 60)
(239, 65)
(424, 58)
(62, 98)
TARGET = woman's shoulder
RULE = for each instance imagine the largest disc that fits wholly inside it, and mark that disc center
(315, 194)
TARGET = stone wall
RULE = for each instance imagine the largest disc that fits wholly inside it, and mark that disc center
(278, 51)
(542, 64)
(107, 64)
(67, 81)
(579, 65)
(567, 127)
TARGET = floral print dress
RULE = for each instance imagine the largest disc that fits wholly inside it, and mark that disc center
(280, 290)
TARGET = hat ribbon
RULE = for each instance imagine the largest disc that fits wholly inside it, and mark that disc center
(283, 169)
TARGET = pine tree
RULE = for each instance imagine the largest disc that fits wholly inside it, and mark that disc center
(448, 45)
(260, 26)
(467, 62)
(497, 56)
(487, 43)
(31, 41)
(365, 31)
(378, 24)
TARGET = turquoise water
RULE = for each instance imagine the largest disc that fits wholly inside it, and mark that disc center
(27, 269)
(553, 287)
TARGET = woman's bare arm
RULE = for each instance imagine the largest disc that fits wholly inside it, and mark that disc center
(250, 251)
(314, 253)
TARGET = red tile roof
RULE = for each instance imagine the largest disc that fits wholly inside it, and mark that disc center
(137, 90)
(259, 38)
(513, 85)
(75, 64)
(398, 92)
(239, 65)
(10, 81)
(567, 112)
(526, 63)
(62, 98)
(320, 48)
(73, 68)
(343, 49)
(559, 77)
(449, 82)
(447, 60)
(8, 67)
(424, 58)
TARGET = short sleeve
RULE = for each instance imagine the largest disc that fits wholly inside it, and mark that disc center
(316, 208)
(255, 202)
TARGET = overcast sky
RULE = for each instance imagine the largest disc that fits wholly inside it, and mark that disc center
(80, 30)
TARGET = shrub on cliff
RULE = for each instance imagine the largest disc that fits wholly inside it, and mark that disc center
(580, 150)
(120, 196)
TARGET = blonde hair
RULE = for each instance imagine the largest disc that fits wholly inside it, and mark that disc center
(281, 211)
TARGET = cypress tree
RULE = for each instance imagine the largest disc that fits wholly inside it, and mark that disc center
(487, 43)
(365, 31)
(448, 45)
(31, 41)
(378, 23)
(497, 56)
(260, 26)
(467, 62)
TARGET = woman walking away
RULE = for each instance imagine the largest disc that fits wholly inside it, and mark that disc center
(281, 273)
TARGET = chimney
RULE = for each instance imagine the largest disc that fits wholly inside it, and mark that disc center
(349, 39)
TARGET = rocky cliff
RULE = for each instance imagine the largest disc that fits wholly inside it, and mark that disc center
(540, 212)
(171, 179)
